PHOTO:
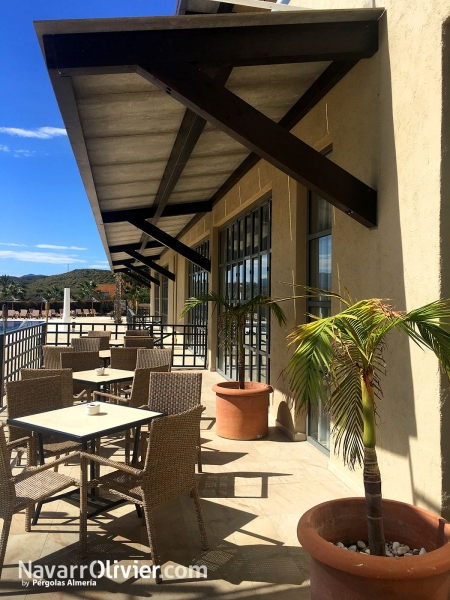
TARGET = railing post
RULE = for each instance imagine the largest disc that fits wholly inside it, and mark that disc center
(43, 339)
(2, 362)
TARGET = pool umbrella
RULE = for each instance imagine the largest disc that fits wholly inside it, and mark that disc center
(92, 300)
(12, 300)
(42, 301)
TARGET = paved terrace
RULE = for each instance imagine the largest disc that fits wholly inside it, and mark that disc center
(253, 494)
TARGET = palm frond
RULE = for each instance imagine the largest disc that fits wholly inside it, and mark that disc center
(345, 407)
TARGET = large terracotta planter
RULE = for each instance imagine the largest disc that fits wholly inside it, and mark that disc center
(340, 574)
(242, 414)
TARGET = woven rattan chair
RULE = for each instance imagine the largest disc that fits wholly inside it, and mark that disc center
(138, 341)
(137, 332)
(123, 358)
(157, 357)
(104, 336)
(167, 473)
(25, 490)
(81, 361)
(30, 397)
(138, 398)
(86, 344)
(64, 374)
(52, 355)
(174, 393)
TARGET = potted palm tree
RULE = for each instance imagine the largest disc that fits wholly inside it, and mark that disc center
(241, 406)
(339, 359)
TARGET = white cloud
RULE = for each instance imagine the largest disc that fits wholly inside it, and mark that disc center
(4, 148)
(43, 133)
(52, 247)
(25, 153)
(39, 257)
(12, 244)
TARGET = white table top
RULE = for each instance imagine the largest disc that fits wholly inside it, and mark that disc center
(116, 342)
(110, 376)
(105, 353)
(74, 422)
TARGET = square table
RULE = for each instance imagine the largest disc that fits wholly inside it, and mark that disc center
(110, 376)
(105, 355)
(75, 424)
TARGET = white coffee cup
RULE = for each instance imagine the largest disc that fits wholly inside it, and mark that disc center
(100, 370)
(93, 408)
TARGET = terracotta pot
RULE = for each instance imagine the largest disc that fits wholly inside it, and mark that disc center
(242, 414)
(340, 574)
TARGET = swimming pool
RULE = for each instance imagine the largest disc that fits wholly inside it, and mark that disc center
(13, 325)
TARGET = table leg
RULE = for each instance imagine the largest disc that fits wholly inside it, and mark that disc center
(41, 449)
(93, 467)
(137, 435)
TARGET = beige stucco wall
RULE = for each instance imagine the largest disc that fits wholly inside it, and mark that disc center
(384, 120)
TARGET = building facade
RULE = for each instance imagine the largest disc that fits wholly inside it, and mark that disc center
(386, 123)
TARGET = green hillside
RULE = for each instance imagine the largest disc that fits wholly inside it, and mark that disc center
(37, 284)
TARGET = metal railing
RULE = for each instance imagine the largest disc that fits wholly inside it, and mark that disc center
(20, 349)
(188, 342)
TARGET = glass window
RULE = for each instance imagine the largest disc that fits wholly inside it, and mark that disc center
(319, 276)
(244, 273)
(198, 283)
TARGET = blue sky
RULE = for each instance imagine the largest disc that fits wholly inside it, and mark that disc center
(46, 223)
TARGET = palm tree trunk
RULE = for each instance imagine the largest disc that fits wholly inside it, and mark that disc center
(241, 358)
(372, 477)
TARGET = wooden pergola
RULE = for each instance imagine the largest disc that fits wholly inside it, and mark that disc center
(165, 115)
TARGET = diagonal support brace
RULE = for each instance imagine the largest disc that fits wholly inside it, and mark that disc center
(218, 105)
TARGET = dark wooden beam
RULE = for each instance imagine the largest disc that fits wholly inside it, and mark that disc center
(138, 270)
(148, 262)
(172, 243)
(134, 276)
(269, 43)
(265, 138)
(190, 130)
(170, 210)
(323, 84)
(126, 247)
(145, 260)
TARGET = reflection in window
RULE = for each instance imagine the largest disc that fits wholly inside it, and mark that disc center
(244, 273)
(319, 276)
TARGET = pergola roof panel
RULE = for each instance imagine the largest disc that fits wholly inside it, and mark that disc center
(119, 150)
(273, 89)
(144, 135)
(110, 175)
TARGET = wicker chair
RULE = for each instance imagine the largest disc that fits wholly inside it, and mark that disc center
(174, 393)
(81, 361)
(25, 490)
(138, 398)
(64, 374)
(139, 341)
(104, 336)
(123, 358)
(86, 344)
(52, 355)
(30, 397)
(157, 357)
(138, 332)
(168, 472)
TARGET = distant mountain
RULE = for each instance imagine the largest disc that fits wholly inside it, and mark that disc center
(36, 285)
(26, 280)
